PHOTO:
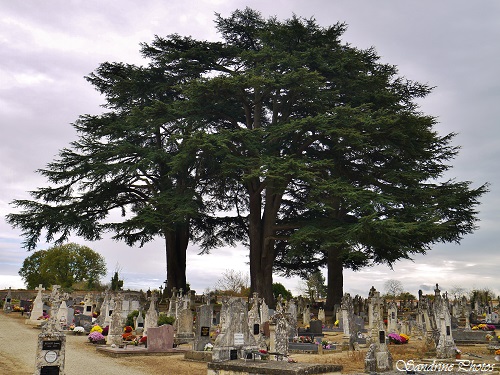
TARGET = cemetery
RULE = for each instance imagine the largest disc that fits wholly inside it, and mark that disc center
(237, 335)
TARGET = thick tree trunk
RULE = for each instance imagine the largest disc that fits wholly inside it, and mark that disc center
(335, 279)
(176, 243)
(262, 246)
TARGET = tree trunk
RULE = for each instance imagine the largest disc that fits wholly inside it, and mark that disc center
(335, 289)
(176, 243)
(262, 252)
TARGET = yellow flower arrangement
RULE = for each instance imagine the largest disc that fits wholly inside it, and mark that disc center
(336, 323)
(96, 328)
(406, 337)
(497, 352)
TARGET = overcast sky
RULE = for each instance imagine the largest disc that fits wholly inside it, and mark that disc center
(47, 47)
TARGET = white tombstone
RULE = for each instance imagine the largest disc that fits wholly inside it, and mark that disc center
(151, 320)
(392, 318)
(62, 314)
(88, 305)
(321, 315)
(37, 310)
(306, 316)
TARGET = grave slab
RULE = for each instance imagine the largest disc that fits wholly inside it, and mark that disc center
(242, 367)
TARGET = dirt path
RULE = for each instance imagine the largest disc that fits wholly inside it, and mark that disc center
(18, 351)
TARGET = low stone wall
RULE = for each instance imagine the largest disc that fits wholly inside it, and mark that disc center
(241, 367)
(472, 336)
(201, 356)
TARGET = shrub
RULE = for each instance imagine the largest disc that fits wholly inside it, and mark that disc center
(131, 316)
(164, 319)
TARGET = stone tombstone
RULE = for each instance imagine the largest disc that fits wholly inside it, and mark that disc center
(160, 339)
(51, 348)
(348, 319)
(115, 327)
(139, 323)
(63, 314)
(280, 331)
(253, 315)
(235, 338)
(316, 327)
(37, 310)
(292, 316)
(88, 305)
(109, 310)
(321, 314)
(202, 328)
(84, 321)
(378, 358)
(7, 306)
(392, 318)
(184, 325)
(172, 305)
(306, 316)
(151, 320)
(445, 347)
(264, 312)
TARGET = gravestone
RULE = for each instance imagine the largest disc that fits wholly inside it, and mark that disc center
(84, 321)
(292, 316)
(151, 320)
(306, 316)
(254, 323)
(109, 310)
(235, 338)
(202, 328)
(37, 310)
(139, 323)
(88, 304)
(51, 348)
(264, 312)
(115, 327)
(378, 358)
(348, 320)
(62, 314)
(321, 315)
(7, 306)
(392, 318)
(184, 326)
(160, 339)
(445, 347)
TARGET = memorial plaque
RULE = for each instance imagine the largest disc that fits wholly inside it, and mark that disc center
(49, 370)
(381, 337)
(89, 308)
(256, 329)
(233, 354)
(448, 331)
(51, 345)
(205, 331)
(239, 339)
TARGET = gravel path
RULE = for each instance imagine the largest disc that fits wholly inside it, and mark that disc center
(18, 343)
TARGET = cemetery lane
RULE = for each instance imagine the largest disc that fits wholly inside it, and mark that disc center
(18, 343)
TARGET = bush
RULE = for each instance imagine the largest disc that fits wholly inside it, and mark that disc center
(131, 316)
(164, 319)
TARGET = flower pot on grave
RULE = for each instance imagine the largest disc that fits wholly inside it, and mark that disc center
(99, 342)
(458, 356)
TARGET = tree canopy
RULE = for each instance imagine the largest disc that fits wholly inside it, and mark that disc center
(63, 265)
(309, 150)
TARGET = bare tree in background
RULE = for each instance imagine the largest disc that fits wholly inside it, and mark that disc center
(393, 288)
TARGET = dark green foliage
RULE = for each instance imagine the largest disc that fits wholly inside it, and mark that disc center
(63, 265)
(164, 319)
(279, 289)
(130, 317)
(116, 283)
(314, 150)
